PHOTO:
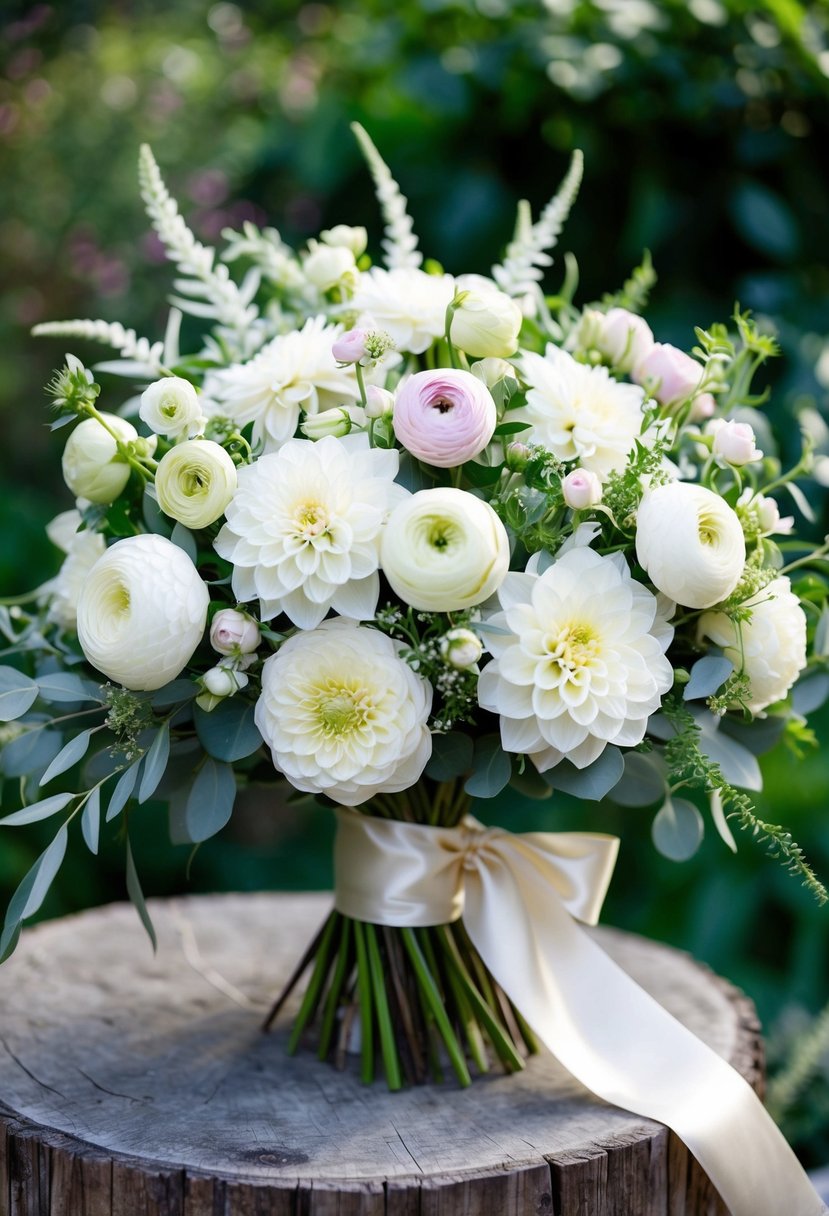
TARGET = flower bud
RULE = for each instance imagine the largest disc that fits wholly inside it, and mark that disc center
(344, 235)
(670, 374)
(485, 321)
(224, 681)
(234, 632)
(492, 371)
(517, 456)
(350, 347)
(379, 402)
(326, 265)
(92, 467)
(194, 482)
(581, 489)
(734, 442)
(461, 648)
(702, 407)
(620, 336)
(338, 422)
(170, 407)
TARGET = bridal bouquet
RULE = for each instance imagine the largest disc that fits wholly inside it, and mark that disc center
(402, 539)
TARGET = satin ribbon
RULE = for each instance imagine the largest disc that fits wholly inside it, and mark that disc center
(521, 897)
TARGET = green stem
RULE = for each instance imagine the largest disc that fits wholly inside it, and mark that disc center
(381, 1006)
(312, 992)
(361, 384)
(332, 1000)
(436, 1006)
(364, 997)
(500, 1041)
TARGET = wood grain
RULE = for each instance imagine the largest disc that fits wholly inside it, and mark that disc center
(133, 1085)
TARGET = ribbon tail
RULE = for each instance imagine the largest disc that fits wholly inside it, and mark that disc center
(622, 1045)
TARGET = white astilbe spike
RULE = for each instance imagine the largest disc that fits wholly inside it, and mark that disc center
(400, 245)
(139, 356)
(527, 254)
(208, 289)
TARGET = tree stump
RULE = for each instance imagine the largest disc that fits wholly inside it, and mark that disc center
(133, 1085)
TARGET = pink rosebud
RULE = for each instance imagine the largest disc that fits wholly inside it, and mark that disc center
(581, 489)
(669, 373)
(233, 631)
(625, 338)
(702, 407)
(444, 417)
(350, 347)
(734, 442)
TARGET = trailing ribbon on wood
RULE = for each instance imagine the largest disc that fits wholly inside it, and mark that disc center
(521, 898)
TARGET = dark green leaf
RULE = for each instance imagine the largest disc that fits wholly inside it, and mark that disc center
(643, 781)
(155, 762)
(32, 891)
(491, 768)
(38, 810)
(91, 820)
(530, 783)
(68, 755)
(481, 474)
(511, 428)
(228, 732)
(451, 755)
(154, 518)
(137, 896)
(17, 694)
(210, 801)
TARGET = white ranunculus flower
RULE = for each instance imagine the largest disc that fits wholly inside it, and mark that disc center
(142, 612)
(444, 550)
(303, 529)
(690, 543)
(581, 667)
(343, 714)
(461, 648)
(485, 322)
(325, 265)
(170, 407)
(194, 482)
(294, 374)
(92, 467)
(579, 412)
(82, 549)
(353, 238)
(408, 304)
(770, 647)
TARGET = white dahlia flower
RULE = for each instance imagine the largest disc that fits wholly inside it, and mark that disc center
(408, 304)
(82, 551)
(142, 612)
(294, 374)
(343, 714)
(444, 549)
(770, 647)
(690, 543)
(579, 412)
(303, 529)
(582, 666)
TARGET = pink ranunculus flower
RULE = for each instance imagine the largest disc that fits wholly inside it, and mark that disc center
(444, 417)
(350, 347)
(670, 374)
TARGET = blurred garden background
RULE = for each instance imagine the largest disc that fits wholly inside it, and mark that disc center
(704, 125)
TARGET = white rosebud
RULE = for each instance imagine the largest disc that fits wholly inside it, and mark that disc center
(379, 402)
(485, 321)
(734, 442)
(234, 632)
(620, 336)
(91, 465)
(224, 681)
(170, 407)
(338, 422)
(443, 550)
(581, 489)
(770, 647)
(326, 265)
(142, 611)
(354, 239)
(194, 482)
(461, 648)
(492, 371)
(690, 543)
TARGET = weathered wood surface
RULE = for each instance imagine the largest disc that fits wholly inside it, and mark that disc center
(140, 1086)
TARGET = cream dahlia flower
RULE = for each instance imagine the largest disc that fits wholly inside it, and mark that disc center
(82, 549)
(408, 304)
(343, 714)
(303, 529)
(690, 543)
(142, 612)
(770, 647)
(294, 374)
(582, 666)
(579, 412)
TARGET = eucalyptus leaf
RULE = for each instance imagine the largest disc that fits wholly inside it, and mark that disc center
(62, 686)
(137, 896)
(68, 756)
(37, 811)
(801, 501)
(491, 768)
(720, 821)
(810, 693)
(155, 762)
(758, 736)
(30, 752)
(707, 675)
(185, 540)
(173, 693)
(643, 781)
(530, 783)
(821, 643)
(678, 829)
(91, 820)
(451, 755)
(32, 891)
(593, 782)
(229, 731)
(154, 517)
(210, 801)
(737, 764)
(17, 694)
(123, 790)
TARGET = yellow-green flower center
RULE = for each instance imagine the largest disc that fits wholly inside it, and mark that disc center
(572, 647)
(341, 708)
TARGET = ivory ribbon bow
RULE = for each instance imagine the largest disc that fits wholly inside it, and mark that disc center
(520, 897)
